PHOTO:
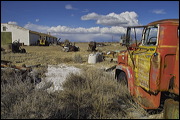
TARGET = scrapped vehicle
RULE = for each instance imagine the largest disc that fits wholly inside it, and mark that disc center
(43, 41)
(16, 47)
(70, 47)
(92, 46)
(150, 65)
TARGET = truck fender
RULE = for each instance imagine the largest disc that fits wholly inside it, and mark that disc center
(130, 76)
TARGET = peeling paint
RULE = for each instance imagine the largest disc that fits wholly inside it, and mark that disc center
(129, 75)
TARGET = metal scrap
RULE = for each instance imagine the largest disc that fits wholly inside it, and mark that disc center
(92, 46)
(27, 72)
(69, 47)
(16, 47)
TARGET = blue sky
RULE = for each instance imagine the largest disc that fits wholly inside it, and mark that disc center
(86, 20)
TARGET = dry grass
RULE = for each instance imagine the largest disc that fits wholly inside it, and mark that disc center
(94, 94)
(53, 54)
(91, 95)
(77, 58)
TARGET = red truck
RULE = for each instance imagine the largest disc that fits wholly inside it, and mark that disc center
(150, 65)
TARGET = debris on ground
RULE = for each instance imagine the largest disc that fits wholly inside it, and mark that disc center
(70, 47)
(94, 58)
(92, 46)
(110, 56)
(16, 47)
(100, 44)
(26, 72)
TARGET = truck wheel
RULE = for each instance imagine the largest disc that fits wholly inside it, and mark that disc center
(171, 109)
(122, 78)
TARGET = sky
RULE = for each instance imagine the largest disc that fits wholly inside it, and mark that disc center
(85, 21)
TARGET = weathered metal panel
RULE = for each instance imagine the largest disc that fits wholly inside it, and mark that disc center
(155, 72)
(122, 57)
(155, 68)
(145, 99)
(142, 58)
(168, 45)
(176, 72)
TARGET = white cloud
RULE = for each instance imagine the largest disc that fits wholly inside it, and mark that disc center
(69, 7)
(38, 28)
(91, 16)
(80, 33)
(92, 30)
(12, 22)
(159, 11)
(116, 23)
(113, 19)
(37, 20)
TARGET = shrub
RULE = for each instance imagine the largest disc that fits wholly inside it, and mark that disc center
(77, 58)
(67, 59)
(36, 105)
(94, 94)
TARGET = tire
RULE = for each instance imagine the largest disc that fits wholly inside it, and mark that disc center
(122, 78)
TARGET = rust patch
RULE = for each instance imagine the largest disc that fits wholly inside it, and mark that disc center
(156, 61)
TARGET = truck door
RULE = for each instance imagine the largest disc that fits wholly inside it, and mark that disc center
(142, 56)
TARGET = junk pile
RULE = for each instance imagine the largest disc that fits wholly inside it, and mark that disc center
(60, 42)
(92, 46)
(100, 44)
(69, 47)
(110, 55)
(24, 73)
(16, 47)
(101, 56)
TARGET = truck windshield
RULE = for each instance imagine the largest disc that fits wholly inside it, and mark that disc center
(134, 35)
(150, 36)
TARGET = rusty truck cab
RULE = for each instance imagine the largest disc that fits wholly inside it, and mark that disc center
(167, 49)
(150, 65)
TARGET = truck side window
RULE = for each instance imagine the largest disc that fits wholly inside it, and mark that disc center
(135, 36)
(150, 36)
